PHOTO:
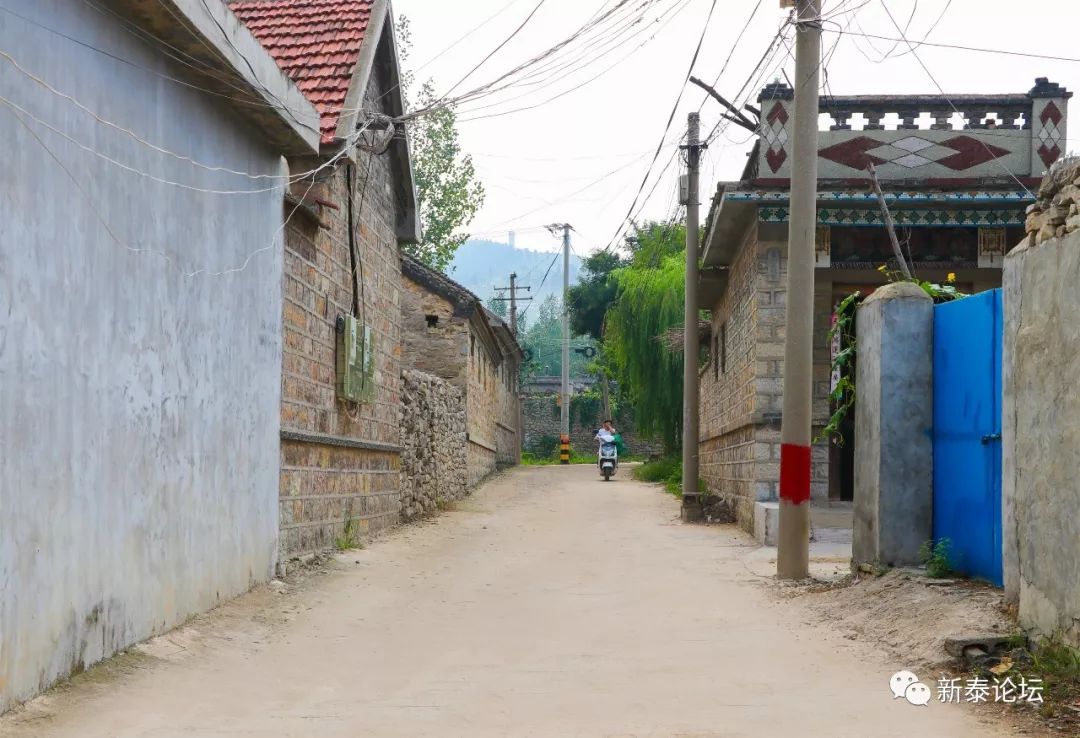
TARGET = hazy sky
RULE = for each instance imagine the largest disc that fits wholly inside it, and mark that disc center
(581, 157)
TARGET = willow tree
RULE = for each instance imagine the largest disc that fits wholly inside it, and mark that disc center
(649, 303)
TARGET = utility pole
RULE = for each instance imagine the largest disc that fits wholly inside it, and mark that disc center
(513, 300)
(564, 441)
(565, 452)
(513, 303)
(691, 504)
(793, 552)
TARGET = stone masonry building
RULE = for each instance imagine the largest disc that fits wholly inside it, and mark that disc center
(449, 333)
(957, 184)
(345, 218)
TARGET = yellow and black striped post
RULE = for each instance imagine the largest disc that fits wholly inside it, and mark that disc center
(564, 450)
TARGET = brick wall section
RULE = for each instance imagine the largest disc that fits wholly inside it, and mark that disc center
(728, 393)
(742, 406)
(323, 485)
(771, 331)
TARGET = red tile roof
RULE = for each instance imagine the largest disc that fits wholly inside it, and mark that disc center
(316, 42)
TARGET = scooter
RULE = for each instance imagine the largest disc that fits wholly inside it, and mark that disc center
(608, 459)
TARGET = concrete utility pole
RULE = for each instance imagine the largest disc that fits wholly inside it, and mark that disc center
(566, 341)
(564, 397)
(513, 303)
(691, 505)
(513, 299)
(793, 554)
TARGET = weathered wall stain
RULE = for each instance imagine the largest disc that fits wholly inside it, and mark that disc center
(138, 407)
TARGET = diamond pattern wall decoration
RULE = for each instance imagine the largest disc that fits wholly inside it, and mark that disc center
(914, 217)
(774, 131)
(957, 153)
(1050, 134)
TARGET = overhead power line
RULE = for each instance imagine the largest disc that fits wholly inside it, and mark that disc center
(951, 105)
(667, 127)
(959, 47)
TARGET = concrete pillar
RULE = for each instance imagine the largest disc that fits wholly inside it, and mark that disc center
(894, 413)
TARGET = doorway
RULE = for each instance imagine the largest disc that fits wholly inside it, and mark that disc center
(842, 446)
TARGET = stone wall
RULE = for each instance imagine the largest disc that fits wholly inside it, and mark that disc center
(1040, 439)
(435, 339)
(508, 415)
(482, 404)
(453, 340)
(434, 456)
(542, 417)
(339, 459)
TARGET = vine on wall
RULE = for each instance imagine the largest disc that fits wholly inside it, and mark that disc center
(842, 397)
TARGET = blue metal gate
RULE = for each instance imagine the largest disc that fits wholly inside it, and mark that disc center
(967, 432)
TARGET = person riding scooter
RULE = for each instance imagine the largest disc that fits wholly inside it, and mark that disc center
(607, 460)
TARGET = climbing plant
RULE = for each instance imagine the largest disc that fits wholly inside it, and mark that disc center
(842, 397)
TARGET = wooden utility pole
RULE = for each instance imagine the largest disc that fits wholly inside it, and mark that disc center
(691, 504)
(793, 553)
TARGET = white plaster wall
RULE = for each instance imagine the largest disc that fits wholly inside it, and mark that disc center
(138, 407)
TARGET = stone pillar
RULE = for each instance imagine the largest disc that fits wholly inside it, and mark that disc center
(894, 413)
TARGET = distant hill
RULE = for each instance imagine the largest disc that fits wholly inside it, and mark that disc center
(483, 265)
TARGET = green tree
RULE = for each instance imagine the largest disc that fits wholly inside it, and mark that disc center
(447, 187)
(651, 242)
(543, 338)
(498, 306)
(593, 295)
(649, 301)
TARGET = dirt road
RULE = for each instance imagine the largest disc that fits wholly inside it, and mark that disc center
(548, 604)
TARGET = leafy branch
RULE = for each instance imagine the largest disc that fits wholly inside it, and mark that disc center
(842, 396)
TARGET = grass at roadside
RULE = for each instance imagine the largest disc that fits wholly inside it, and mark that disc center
(667, 471)
(1058, 665)
(530, 459)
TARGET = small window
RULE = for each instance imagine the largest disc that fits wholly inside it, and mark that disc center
(723, 348)
(472, 345)
(432, 321)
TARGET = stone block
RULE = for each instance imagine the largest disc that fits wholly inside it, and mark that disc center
(766, 522)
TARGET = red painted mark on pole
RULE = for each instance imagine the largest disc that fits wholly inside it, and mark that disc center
(794, 473)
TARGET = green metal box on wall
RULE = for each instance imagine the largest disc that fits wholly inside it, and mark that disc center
(355, 360)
